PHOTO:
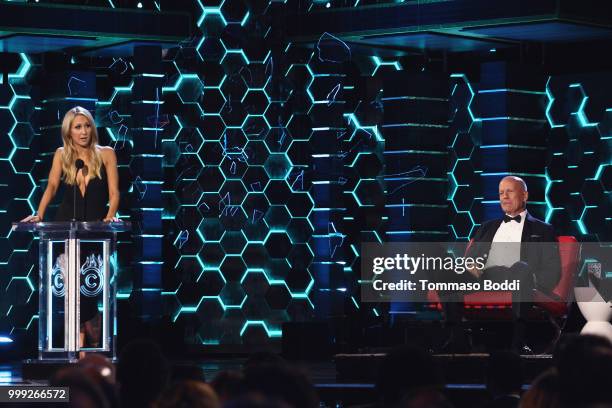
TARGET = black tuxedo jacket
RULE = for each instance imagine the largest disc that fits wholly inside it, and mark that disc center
(542, 259)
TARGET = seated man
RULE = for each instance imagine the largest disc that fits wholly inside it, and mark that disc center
(501, 242)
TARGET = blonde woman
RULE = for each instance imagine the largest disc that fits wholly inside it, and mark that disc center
(92, 169)
(97, 181)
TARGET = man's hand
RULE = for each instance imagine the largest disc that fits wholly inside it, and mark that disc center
(477, 273)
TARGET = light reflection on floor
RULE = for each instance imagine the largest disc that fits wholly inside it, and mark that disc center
(10, 375)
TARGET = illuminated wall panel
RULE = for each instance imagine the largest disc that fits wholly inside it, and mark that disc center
(253, 168)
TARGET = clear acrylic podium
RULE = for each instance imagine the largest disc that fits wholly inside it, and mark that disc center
(77, 272)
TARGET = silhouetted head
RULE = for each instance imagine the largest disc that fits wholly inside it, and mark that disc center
(504, 373)
(85, 390)
(585, 366)
(406, 369)
(280, 382)
(189, 393)
(142, 373)
(228, 384)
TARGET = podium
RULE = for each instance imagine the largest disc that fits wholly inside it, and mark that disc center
(77, 280)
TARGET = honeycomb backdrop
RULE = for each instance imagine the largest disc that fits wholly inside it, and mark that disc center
(253, 168)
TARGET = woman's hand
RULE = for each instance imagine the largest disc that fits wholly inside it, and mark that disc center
(111, 219)
(32, 218)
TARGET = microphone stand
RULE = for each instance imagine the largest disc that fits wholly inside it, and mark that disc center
(74, 198)
(79, 165)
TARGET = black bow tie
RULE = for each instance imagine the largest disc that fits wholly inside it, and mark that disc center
(507, 218)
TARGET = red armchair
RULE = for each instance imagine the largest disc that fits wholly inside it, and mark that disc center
(554, 305)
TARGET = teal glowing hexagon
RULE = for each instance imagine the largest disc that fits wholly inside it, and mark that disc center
(278, 244)
(211, 229)
(233, 268)
(277, 166)
(366, 191)
(256, 101)
(233, 242)
(255, 127)
(233, 295)
(255, 205)
(277, 217)
(189, 88)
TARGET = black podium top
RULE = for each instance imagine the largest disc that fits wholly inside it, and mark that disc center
(59, 226)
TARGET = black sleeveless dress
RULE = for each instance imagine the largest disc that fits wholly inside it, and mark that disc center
(89, 207)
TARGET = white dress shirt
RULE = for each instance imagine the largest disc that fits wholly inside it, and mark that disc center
(506, 247)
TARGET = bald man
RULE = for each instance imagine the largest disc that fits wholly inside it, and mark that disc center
(501, 242)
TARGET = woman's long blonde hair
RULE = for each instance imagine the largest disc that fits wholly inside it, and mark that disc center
(69, 155)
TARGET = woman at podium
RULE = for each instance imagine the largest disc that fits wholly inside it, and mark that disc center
(85, 168)
(91, 182)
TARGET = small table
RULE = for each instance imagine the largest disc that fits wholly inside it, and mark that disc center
(595, 310)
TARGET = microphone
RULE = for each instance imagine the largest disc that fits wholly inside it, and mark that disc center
(79, 164)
